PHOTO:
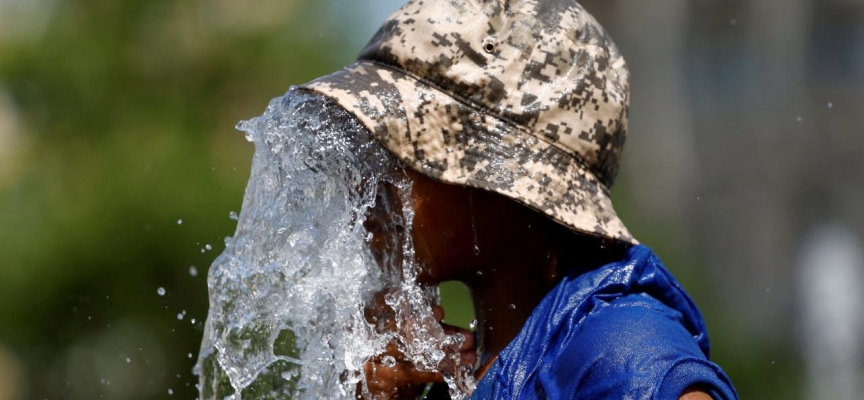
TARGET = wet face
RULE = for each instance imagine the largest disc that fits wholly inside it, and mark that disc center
(445, 229)
(386, 225)
(455, 229)
(442, 229)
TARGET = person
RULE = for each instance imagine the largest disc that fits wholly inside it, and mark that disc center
(511, 117)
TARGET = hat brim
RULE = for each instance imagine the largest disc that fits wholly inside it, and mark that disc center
(447, 139)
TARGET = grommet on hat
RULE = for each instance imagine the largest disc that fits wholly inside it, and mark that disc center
(528, 99)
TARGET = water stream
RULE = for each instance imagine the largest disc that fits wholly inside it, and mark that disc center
(287, 296)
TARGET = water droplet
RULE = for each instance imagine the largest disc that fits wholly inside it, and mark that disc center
(170, 392)
(799, 119)
(180, 316)
(128, 360)
(473, 324)
(179, 222)
(208, 247)
(388, 361)
(193, 321)
(733, 22)
(773, 362)
(160, 291)
(436, 356)
(830, 105)
(301, 238)
(479, 273)
(233, 215)
(473, 222)
(512, 306)
(189, 355)
(193, 272)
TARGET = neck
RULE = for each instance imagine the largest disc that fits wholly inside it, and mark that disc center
(503, 301)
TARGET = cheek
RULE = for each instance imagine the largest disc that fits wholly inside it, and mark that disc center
(441, 235)
(384, 223)
(423, 233)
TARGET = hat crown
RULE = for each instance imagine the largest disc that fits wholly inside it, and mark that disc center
(545, 66)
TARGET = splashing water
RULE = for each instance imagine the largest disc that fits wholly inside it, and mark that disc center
(287, 296)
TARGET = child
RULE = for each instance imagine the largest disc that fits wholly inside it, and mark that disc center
(512, 116)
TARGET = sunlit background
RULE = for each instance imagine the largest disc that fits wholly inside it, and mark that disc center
(119, 166)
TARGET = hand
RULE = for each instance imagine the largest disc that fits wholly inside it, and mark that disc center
(390, 375)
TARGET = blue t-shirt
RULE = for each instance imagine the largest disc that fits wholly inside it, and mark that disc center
(626, 330)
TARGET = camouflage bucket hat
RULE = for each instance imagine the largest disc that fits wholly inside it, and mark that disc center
(525, 98)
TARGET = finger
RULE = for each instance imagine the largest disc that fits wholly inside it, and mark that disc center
(382, 321)
(468, 340)
(400, 373)
(378, 313)
(424, 376)
(384, 379)
(468, 357)
(381, 296)
(392, 364)
(392, 350)
(438, 311)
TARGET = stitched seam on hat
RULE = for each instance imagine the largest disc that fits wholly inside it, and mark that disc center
(485, 110)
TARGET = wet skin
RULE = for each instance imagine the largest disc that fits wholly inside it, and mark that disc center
(522, 255)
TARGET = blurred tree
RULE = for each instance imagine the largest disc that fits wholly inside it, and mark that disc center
(128, 108)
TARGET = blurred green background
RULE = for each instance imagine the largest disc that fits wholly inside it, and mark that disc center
(119, 164)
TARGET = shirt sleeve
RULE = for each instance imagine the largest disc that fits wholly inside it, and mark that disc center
(631, 348)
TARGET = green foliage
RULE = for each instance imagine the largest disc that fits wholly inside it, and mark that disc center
(129, 109)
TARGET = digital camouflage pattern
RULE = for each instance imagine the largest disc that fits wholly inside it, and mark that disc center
(526, 98)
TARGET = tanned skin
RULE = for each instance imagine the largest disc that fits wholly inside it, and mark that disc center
(522, 255)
